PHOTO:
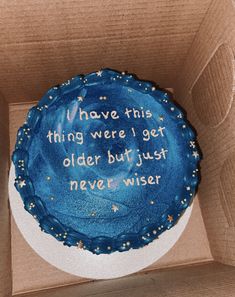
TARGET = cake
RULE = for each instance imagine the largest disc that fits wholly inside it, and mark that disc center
(106, 162)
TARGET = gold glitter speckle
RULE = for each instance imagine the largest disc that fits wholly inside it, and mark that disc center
(80, 244)
(99, 73)
(169, 218)
(22, 183)
(80, 98)
(115, 208)
(93, 213)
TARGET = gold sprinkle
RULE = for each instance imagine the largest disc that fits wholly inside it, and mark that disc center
(99, 73)
(169, 218)
(93, 213)
(115, 208)
(80, 98)
(80, 244)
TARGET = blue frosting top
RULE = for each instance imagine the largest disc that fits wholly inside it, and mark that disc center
(106, 162)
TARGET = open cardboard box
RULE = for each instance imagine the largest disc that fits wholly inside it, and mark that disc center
(188, 45)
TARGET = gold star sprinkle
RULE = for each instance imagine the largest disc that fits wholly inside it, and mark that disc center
(192, 144)
(115, 208)
(169, 218)
(80, 98)
(22, 183)
(179, 116)
(99, 73)
(80, 244)
(93, 213)
(195, 154)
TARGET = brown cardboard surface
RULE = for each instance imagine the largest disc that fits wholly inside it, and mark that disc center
(217, 93)
(210, 66)
(192, 247)
(43, 43)
(5, 247)
(207, 280)
(171, 42)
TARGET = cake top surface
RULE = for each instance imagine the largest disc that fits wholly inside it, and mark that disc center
(106, 162)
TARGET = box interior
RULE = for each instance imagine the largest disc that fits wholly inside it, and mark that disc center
(188, 45)
(215, 279)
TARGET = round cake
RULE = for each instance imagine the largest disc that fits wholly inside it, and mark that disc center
(106, 162)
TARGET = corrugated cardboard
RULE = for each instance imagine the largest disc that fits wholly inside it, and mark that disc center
(188, 45)
(43, 43)
(207, 280)
(210, 66)
(5, 244)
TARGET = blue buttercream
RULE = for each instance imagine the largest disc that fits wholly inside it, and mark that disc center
(63, 194)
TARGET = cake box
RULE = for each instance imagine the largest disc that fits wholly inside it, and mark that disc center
(181, 46)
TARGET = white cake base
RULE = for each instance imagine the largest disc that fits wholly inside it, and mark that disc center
(83, 263)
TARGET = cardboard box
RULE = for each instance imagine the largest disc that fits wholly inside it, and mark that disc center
(187, 45)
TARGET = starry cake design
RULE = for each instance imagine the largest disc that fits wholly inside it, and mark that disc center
(106, 162)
